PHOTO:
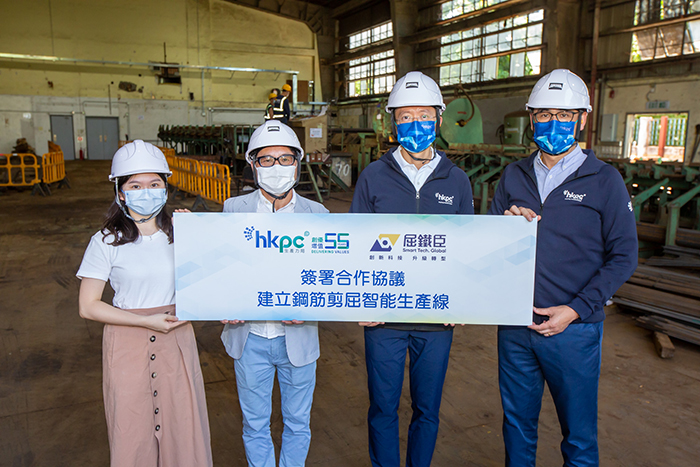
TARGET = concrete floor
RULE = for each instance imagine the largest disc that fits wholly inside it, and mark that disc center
(51, 411)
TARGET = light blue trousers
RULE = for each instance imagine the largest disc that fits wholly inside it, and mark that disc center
(255, 377)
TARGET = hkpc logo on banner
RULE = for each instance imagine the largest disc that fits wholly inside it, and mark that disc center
(338, 242)
(355, 267)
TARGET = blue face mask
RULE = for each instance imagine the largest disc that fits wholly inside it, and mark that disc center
(146, 202)
(555, 137)
(416, 136)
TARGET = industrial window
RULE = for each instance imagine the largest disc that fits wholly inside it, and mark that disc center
(462, 7)
(373, 74)
(484, 54)
(651, 11)
(671, 40)
(370, 36)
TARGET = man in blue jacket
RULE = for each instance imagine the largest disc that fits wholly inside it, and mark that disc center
(410, 179)
(586, 249)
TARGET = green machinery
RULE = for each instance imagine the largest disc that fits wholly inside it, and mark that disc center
(227, 142)
(665, 196)
(665, 201)
(461, 123)
(516, 128)
(462, 139)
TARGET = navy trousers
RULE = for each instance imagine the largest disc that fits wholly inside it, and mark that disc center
(570, 365)
(385, 354)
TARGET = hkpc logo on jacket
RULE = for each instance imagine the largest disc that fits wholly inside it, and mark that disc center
(328, 242)
(444, 199)
(571, 196)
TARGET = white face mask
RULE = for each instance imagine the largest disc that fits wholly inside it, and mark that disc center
(278, 179)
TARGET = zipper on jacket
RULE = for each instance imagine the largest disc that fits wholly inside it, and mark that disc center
(430, 178)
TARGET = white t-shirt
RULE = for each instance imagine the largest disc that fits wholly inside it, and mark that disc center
(418, 177)
(141, 273)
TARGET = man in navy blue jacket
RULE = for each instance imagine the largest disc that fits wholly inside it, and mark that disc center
(410, 179)
(586, 249)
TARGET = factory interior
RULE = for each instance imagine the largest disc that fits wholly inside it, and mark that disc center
(79, 80)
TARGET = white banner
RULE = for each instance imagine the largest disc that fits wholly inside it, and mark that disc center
(355, 267)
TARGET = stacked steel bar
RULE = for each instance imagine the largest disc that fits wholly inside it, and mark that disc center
(669, 301)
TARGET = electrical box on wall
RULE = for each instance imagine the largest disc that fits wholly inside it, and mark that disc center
(608, 127)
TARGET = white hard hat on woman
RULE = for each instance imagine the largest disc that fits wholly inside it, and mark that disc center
(138, 157)
(133, 158)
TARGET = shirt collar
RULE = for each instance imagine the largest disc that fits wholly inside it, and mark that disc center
(268, 205)
(404, 164)
(564, 162)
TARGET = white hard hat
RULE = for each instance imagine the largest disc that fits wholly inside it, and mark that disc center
(272, 133)
(560, 89)
(415, 89)
(138, 157)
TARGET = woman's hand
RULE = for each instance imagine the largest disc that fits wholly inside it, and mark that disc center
(162, 322)
(294, 321)
(182, 210)
(369, 324)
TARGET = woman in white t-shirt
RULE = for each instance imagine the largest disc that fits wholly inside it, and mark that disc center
(152, 381)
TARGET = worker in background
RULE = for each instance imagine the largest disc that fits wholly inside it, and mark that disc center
(411, 179)
(586, 249)
(269, 110)
(281, 109)
(260, 348)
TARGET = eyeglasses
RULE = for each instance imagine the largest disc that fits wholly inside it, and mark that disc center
(403, 116)
(269, 161)
(563, 117)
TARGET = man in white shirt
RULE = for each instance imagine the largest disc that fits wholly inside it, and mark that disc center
(262, 347)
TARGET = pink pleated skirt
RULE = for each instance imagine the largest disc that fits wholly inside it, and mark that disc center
(154, 396)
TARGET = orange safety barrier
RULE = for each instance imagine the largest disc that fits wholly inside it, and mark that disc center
(19, 170)
(167, 151)
(53, 167)
(206, 180)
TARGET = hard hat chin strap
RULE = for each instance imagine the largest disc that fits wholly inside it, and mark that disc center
(277, 197)
(418, 159)
(577, 135)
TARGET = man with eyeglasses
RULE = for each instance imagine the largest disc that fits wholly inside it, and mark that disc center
(413, 178)
(261, 347)
(586, 249)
